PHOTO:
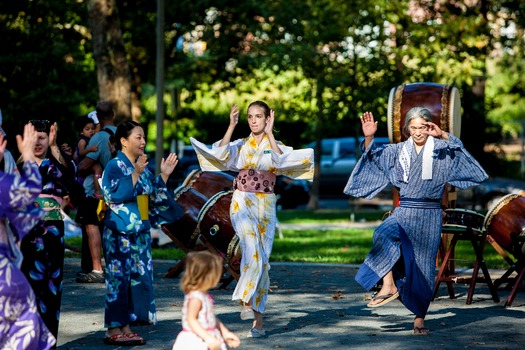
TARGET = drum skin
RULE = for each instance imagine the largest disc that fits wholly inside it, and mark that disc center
(191, 202)
(209, 182)
(215, 224)
(443, 102)
(505, 218)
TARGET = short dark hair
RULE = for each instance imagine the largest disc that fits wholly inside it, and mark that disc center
(105, 110)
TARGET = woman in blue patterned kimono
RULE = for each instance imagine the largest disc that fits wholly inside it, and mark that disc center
(258, 159)
(21, 327)
(419, 168)
(43, 247)
(137, 201)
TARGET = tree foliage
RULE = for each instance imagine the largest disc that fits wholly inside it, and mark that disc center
(319, 63)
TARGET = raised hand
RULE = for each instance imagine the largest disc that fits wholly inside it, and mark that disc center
(168, 165)
(234, 115)
(53, 134)
(268, 129)
(141, 163)
(26, 143)
(432, 130)
(368, 124)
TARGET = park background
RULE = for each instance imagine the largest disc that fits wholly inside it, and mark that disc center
(319, 64)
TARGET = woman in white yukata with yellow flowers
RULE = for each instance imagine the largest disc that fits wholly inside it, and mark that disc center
(258, 159)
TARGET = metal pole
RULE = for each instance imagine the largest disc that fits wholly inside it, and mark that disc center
(159, 153)
(522, 136)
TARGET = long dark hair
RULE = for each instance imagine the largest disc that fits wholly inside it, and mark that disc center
(123, 131)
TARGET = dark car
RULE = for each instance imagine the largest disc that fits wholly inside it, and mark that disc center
(187, 163)
(489, 193)
(338, 158)
(290, 193)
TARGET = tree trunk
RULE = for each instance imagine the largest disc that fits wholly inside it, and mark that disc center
(110, 56)
(313, 202)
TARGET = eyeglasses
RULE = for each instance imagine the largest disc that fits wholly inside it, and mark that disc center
(41, 125)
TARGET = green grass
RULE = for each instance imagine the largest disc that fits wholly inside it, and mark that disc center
(340, 246)
(325, 216)
(322, 246)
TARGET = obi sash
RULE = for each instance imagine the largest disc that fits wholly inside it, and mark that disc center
(251, 180)
(51, 205)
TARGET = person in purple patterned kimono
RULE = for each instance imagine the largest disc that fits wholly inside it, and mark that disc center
(136, 201)
(419, 168)
(43, 247)
(21, 327)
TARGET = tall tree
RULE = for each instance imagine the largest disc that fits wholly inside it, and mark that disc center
(113, 74)
(45, 64)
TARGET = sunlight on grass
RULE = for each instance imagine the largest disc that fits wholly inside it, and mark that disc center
(347, 246)
(337, 246)
(322, 216)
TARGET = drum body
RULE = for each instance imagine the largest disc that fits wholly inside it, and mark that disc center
(209, 183)
(215, 225)
(505, 218)
(182, 230)
(443, 102)
(463, 218)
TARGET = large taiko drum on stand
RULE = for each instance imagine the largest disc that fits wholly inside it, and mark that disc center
(507, 218)
(215, 225)
(181, 231)
(443, 102)
(209, 183)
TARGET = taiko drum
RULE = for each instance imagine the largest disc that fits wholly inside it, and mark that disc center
(443, 102)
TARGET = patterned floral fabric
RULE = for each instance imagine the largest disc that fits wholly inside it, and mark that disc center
(20, 324)
(127, 241)
(253, 215)
(206, 317)
(43, 247)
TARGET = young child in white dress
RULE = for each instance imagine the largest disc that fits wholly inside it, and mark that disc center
(201, 329)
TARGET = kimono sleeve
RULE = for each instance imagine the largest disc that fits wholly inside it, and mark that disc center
(218, 158)
(18, 193)
(164, 208)
(368, 177)
(297, 164)
(117, 183)
(465, 171)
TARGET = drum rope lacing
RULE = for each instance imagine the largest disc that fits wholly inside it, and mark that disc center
(492, 213)
(205, 209)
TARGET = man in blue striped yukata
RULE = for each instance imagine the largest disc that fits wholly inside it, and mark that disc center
(419, 168)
